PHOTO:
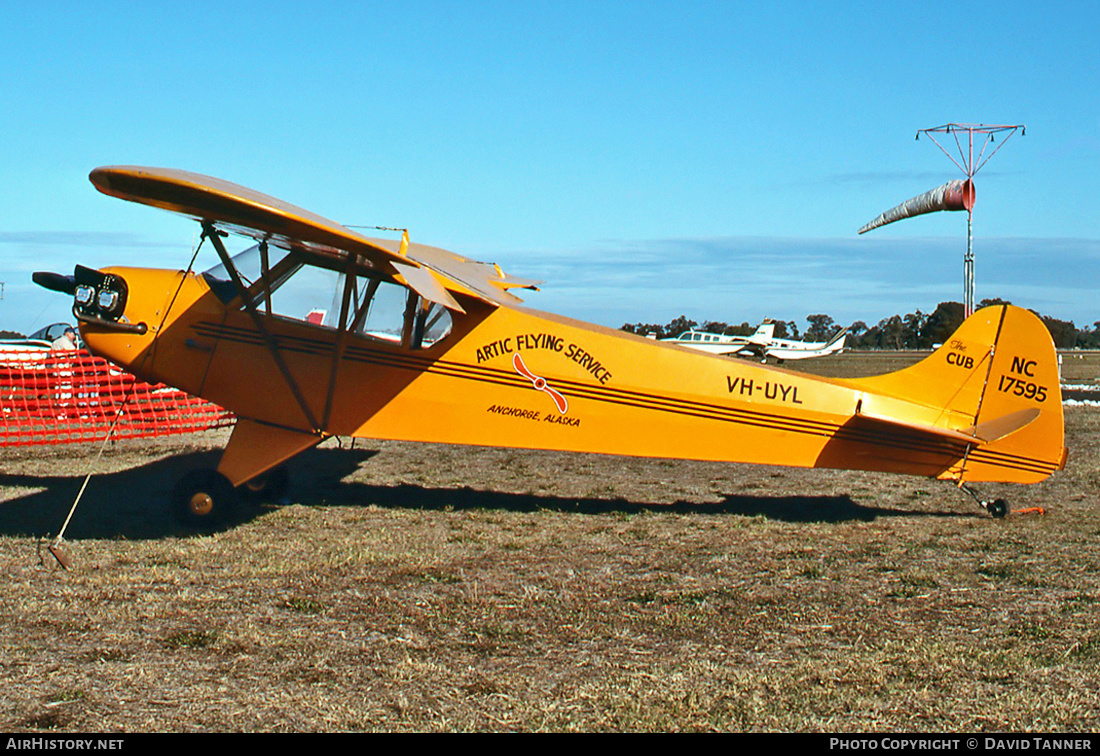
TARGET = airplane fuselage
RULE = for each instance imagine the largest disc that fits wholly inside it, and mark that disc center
(511, 376)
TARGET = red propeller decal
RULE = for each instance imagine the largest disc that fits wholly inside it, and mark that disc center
(539, 383)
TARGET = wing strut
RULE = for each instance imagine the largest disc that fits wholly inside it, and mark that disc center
(346, 303)
(211, 232)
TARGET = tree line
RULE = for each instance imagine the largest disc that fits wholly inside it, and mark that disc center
(915, 330)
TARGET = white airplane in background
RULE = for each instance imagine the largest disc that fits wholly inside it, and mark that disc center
(762, 344)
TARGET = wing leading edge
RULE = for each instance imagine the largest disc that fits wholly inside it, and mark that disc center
(264, 218)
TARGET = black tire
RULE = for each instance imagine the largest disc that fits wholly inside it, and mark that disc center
(998, 508)
(204, 499)
(269, 487)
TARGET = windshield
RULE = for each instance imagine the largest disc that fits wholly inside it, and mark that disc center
(284, 284)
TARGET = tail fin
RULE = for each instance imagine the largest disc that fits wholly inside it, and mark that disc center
(765, 330)
(995, 380)
(839, 338)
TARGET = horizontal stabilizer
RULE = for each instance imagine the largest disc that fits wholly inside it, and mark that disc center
(954, 195)
(966, 436)
(998, 428)
(982, 433)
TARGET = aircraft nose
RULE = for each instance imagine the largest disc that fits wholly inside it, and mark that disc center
(55, 281)
(98, 298)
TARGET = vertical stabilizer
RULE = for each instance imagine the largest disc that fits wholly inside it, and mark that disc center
(996, 379)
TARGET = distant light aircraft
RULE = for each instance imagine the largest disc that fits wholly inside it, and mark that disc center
(762, 344)
(420, 344)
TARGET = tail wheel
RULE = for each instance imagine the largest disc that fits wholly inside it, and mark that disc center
(997, 508)
(204, 499)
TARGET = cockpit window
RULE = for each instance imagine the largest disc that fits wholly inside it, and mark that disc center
(290, 285)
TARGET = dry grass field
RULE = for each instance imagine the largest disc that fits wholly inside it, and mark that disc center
(429, 588)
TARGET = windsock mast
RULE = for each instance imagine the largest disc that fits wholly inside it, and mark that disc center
(958, 194)
(967, 163)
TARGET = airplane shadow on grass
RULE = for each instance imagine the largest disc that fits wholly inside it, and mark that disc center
(806, 509)
(134, 503)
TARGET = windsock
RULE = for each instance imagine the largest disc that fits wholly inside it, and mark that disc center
(954, 195)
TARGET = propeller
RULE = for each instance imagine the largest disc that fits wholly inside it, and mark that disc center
(54, 281)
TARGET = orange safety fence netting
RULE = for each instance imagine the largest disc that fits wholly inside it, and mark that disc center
(61, 397)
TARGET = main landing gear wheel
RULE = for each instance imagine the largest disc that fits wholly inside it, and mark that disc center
(204, 499)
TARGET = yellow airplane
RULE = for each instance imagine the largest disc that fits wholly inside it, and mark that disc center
(319, 331)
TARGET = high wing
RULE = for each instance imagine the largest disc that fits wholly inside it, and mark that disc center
(245, 211)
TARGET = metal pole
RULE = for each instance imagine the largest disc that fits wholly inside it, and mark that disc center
(970, 235)
(968, 266)
(968, 167)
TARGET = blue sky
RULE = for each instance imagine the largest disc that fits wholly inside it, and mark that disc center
(646, 160)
